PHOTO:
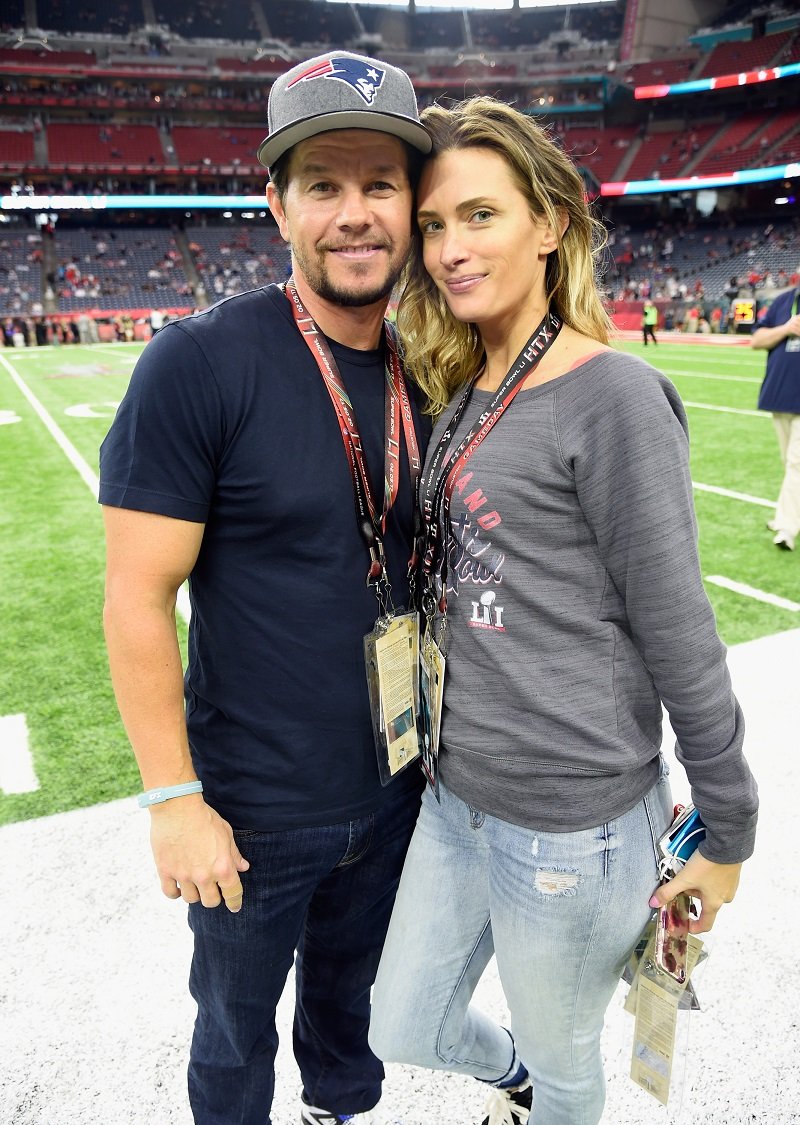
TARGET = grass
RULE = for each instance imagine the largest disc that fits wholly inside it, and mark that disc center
(53, 667)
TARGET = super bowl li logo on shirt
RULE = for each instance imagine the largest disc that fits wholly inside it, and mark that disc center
(365, 79)
(473, 559)
(487, 614)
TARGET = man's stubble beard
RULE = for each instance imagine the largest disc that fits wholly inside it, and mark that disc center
(316, 276)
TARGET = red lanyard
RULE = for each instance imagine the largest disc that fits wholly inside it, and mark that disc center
(397, 415)
(437, 488)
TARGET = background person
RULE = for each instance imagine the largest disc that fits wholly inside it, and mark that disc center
(649, 322)
(779, 332)
(575, 606)
(243, 486)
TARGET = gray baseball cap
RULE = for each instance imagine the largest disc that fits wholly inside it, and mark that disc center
(341, 91)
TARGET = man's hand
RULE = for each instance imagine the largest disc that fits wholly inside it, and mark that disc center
(195, 853)
(712, 883)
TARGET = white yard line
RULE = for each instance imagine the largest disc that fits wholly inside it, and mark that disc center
(692, 355)
(89, 477)
(698, 375)
(728, 409)
(17, 774)
(69, 351)
(744, 496)
(74, 457)
(753, 592)
(111, 350)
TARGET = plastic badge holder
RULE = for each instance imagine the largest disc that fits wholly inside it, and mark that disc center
(675, 1059)
(681, 839)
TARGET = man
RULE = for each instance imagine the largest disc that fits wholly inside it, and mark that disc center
(779, 333)
(649, 322)
(231, 462)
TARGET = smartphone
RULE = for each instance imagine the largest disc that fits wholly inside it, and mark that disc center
(683, 835)
(672, 937)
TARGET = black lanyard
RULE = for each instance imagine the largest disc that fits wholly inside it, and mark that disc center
(397, 415)
(444, 469)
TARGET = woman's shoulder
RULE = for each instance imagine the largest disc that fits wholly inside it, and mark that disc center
(618, 368)
(612, 384)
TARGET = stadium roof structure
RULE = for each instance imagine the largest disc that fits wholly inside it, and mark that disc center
(495, 5)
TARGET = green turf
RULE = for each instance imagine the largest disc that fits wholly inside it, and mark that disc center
(51, 553)
(54, 670)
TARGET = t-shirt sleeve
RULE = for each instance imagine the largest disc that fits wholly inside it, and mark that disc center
(630, 458)
(161, 452)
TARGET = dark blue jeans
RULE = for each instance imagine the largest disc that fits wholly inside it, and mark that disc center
(327, 893)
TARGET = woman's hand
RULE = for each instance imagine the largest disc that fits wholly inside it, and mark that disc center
(712, 883)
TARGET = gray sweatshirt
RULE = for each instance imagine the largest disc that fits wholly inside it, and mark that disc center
(576, 605)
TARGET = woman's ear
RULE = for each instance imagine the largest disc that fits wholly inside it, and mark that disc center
(551, 239)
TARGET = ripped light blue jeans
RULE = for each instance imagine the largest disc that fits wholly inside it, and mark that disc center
(561, 912)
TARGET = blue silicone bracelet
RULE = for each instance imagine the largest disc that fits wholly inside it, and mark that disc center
(167, 792)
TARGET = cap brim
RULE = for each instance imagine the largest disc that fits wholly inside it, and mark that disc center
(395, 124)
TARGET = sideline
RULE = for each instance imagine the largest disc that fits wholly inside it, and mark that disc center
(719, 339)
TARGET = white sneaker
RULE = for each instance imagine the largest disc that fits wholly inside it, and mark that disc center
(509, 1106)
(784, 540)
(313, 1115)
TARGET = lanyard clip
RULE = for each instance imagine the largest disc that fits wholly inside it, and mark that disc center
(429, 602)
(377, 566)
(378, 579)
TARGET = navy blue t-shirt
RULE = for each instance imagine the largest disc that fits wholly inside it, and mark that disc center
(227, 422)
(780, 391)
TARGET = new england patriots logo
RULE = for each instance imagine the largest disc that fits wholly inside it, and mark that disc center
(366, 80)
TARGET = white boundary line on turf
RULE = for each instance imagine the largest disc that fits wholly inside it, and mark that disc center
(73, 456)
(76, 459)
(68, 350)
(753, 592)
(17, 774)
(698, 375)
(110, 349)
(727, 409)
(745, 496)
(37, 349)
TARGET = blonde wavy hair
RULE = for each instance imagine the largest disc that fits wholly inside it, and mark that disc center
(443, 353)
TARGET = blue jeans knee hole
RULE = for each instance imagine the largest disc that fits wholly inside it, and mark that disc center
(556, 883)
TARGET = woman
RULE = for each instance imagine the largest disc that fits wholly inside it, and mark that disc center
(568, 563)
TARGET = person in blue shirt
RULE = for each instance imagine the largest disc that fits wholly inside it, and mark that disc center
(779, 333)
(228, 464)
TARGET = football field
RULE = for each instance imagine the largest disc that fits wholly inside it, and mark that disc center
(61, 742)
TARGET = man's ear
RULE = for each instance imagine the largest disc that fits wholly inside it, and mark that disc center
(278, 213)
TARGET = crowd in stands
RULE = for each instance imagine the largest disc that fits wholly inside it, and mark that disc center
(100, 94)
(208, 19)
(112, 184)
(119, 268)
(703, 262)
(115, 268)
(20, 273)
(38, 331)
(129, 130)
(242, 260)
